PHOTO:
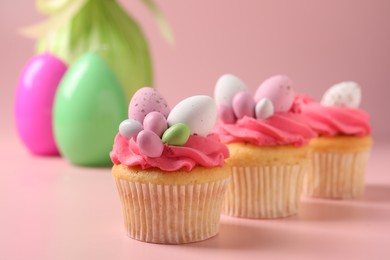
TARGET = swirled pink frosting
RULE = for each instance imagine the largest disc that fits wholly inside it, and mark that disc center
(332, 120)
(203, 151)
(280, 129)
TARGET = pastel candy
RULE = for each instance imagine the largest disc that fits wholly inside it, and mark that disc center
(198, 112)
(344, 94)
(155, 122)
(226, 114)
(177, 134)
(226, 88)
(147, 100)
(243, 105)
(278, 89)
(264, 109)
(130, 128)
(150, 144)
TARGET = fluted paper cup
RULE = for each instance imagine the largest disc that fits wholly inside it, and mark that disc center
(267, 182)
(171, 213)
(338, 166)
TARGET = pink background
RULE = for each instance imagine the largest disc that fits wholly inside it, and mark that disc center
(316, 43)
(51, 209)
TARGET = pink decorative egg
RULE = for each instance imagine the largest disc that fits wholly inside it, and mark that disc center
(150, 144)
(243, 104)
(155, 122)
(36, 89)
(278, 89)
(147, 100)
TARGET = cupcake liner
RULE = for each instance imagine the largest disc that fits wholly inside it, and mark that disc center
(265, 191)
(171, 214)
(336, 175)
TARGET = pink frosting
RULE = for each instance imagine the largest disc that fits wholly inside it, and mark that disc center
(332, 120)
(199, 150)
(283, 128)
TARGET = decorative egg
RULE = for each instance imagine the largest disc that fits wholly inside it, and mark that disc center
(264, 109)
(243, 104)
(177, 134)
(36, 89)
(226, 88)
(147, 100)
(344, 94)
(155, 122)
(278, 89)
(226, 114)
(130, 128)
(89, 105)
(150, 144)
(198, 112)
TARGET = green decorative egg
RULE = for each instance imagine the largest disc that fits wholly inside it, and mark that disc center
(89, 106)
(177, 134)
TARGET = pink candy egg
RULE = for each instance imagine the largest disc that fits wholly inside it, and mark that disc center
(226, 114)
(150, 144)
(36, 89)
(243, 104)
(155, 122)
(278, 89)
(147, 100)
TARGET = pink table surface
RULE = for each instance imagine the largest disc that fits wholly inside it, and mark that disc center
(53, 210)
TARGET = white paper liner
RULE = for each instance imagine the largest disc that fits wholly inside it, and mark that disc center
(265, 191)
(336, 175)
(171, 214)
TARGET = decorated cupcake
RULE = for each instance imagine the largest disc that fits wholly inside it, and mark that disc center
(169, 173)
(268, 147)
(340, 153)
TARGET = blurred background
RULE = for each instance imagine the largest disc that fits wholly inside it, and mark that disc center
(316, 43)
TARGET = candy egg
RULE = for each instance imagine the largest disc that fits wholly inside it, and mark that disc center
(344, 94)
(36, 89)
(130, 128)
(177, 134)
(226, 114)
(147, 100)
(264, 109)
(150, 144)
(243, 104)
(198, 112)
(278, 89)
(226, 87)
(155, 122)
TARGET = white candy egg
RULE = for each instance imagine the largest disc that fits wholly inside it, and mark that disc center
(130, 128)
(199, 113)
(344, 94)
(264, 109)
(226, 88)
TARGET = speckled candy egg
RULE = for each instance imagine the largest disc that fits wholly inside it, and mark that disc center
(344, 94)
(199, 113)
(147, 100)
(278, 89)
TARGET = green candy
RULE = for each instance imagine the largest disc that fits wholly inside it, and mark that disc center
(177, 134)
(88, 107)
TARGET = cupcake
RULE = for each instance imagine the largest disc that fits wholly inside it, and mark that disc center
(168, 170)
(268, 147)
(341, 150)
